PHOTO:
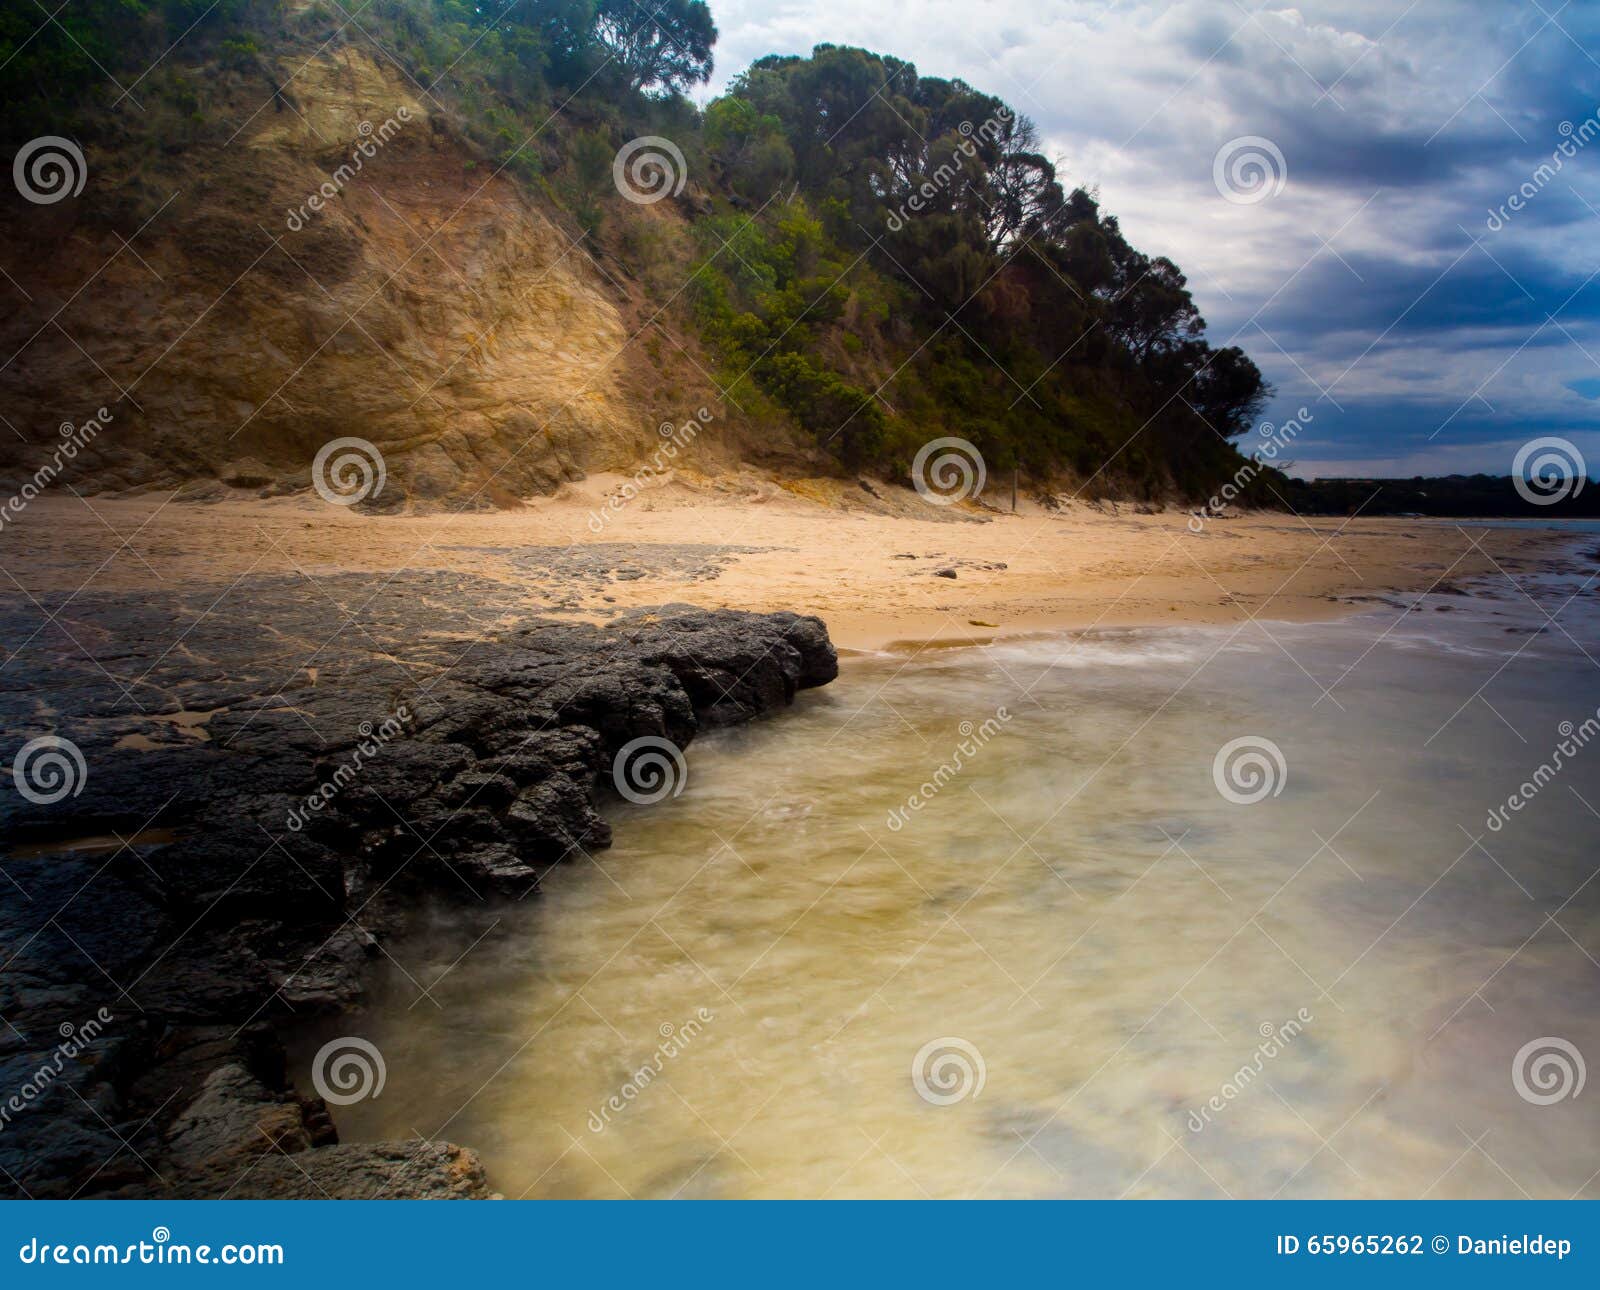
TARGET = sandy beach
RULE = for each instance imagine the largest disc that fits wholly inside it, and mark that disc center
(878, 568)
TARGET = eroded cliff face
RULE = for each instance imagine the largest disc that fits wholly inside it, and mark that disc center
(329, 262)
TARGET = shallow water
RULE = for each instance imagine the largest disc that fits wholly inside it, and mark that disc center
(1109, 937)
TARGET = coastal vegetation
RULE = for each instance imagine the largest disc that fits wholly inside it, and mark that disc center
(1449, 496)
(867, 256)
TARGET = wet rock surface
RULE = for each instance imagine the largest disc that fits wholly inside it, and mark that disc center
(569, 579)
(260, 782)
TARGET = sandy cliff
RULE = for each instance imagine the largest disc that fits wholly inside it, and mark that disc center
(231, 328)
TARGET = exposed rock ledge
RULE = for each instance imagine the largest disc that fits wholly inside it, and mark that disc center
(173, 896)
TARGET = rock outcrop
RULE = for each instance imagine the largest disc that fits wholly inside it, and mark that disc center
(263, 786)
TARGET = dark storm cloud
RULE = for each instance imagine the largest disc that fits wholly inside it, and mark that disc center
(1408, 302)
(1404, 130)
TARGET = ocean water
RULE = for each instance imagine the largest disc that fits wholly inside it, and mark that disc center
(1091, 961)
(1553, 526)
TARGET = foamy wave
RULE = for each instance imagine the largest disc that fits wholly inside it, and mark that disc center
(1418, 644)
(1107, 649)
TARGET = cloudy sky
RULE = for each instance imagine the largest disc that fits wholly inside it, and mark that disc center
(1371, 288)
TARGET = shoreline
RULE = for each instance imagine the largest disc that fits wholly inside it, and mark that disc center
(290, 619)
(1335, 609)
(883, 572)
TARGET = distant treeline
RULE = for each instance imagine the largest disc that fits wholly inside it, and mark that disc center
(1454, 496)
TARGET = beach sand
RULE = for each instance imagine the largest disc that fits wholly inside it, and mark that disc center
(868, 564)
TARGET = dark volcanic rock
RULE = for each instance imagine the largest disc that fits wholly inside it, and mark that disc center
(268, 784)
(353, 1171)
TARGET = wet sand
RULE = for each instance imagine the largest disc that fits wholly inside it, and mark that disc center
(876, 569)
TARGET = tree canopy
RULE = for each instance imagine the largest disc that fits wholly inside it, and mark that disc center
(1044, 335)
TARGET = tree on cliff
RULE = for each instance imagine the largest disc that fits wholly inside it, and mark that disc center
(1013, 313)
(660, 45)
